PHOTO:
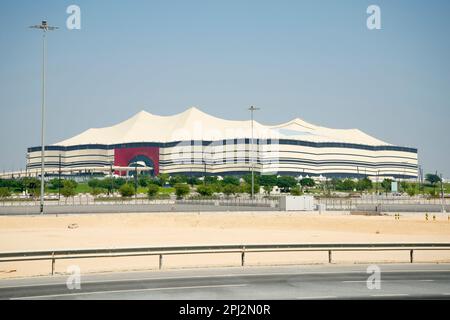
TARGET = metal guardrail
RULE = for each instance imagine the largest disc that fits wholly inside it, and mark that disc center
(54, 255)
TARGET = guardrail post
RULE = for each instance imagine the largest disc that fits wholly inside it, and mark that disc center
(53, 263)
(329, 256)
(411, 256)
(243, 256)
(160, 261)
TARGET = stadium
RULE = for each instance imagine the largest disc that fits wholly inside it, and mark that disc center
(196, 143)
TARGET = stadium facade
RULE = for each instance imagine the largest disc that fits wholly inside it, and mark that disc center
(196, 143)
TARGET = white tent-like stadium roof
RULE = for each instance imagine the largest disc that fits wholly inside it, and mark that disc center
(193, 124)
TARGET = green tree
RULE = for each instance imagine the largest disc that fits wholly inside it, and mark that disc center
(247, 188)
(153, 190)
(163, 178)
(181, 190)
(248, 178)
(179, 178)
(433, 179)
(107, 184)
(386, 185)
(33, 186)
(55, 184)
(126, 190)
(95, 183)
(268, 182)
(68, 188)
(348, 185)
(96, 191)
(70, 183)
(193, 181)
(307, 182)
(285, 183)
(119, 182)
(211, 179)
(230, 180)
(67, 191)
(364, 184)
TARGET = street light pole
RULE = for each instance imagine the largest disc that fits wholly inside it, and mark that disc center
(442, 195)
(44, 27)
(252, 108)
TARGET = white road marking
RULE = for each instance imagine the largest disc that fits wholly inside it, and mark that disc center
(215, 276)
(390, 295)
(127, 290)
(391, 280)
(317, 297)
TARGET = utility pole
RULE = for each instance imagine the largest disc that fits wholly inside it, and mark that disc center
(135, 181)
(112, 183)
(378, 178)
(59, 179)
(45, 28)
(252, 108)
(442, 195)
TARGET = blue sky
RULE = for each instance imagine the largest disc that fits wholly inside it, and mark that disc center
(310, 59)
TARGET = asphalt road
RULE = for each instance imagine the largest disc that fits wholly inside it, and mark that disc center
(398, 281)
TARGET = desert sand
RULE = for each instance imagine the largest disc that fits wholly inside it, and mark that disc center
(21, 233)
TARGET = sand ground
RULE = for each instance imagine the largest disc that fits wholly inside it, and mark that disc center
(20, 233)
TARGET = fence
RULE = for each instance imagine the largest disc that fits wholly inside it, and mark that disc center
(240, 249)
(86, 200)
(354, 203)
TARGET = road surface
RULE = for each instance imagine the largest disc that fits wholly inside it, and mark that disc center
(398, 281)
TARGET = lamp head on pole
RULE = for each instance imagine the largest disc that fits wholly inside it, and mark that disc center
(44, 26)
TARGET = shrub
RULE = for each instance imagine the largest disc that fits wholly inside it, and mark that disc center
(432, 193)
(296, 191)
(268, 189)
(143, 181)
(229, 189)
(153, 190)
(96, 191)
(181, 190)
(411, 191)
(205, 190)
(126, 190)
(4, 192)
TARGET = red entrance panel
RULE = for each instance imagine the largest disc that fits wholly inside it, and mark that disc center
(123, 156)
